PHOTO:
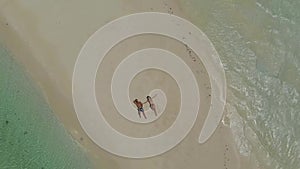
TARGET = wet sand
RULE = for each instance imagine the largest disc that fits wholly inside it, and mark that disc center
(46, 38)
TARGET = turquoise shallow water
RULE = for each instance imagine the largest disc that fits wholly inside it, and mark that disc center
(258, 42)
(30, 135)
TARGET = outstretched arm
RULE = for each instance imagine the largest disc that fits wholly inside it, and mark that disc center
(154, 96)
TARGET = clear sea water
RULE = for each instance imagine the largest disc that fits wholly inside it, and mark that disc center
(30, 135)
(259, 45)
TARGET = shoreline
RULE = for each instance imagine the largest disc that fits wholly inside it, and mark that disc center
(51, 68)
(30, 128)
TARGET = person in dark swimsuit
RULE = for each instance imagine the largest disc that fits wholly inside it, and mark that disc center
(140, 108)
(151, 104)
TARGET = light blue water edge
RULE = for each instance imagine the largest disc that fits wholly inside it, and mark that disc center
(258, 43)
(30, 134)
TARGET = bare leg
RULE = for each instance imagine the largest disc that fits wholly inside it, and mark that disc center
(154, 109)
(144, 114)
(139, 114)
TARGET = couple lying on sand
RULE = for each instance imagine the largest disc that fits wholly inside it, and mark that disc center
(140, 108)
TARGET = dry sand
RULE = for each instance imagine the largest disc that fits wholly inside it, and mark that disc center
(46, 37)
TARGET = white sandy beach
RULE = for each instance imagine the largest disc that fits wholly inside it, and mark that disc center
(46, 37)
